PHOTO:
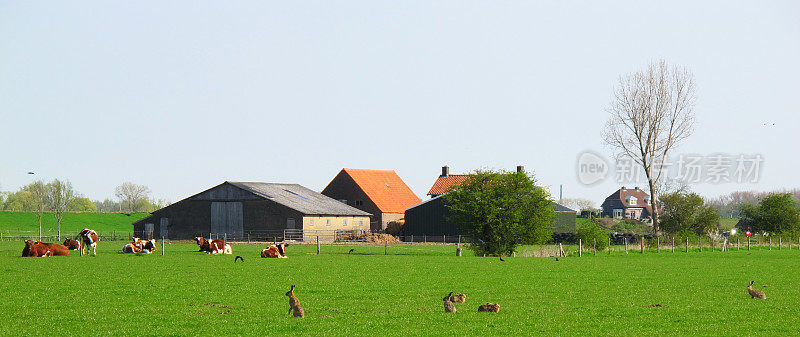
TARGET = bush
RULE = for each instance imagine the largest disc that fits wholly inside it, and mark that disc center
(589, 231)
(395, 227)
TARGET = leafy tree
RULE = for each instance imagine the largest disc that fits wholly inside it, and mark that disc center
(81, 204)
(500, 210)
(21, 200)
(129, 194)
(107, 205)
(777, 213)
(684, 212)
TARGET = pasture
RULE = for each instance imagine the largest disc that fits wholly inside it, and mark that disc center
(368, 293)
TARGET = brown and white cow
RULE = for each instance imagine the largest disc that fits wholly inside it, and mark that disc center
(213, 246)
(56, 249)
(140, 246)
(277, 250)
(88, 239)
(72, 244)
(35, 249)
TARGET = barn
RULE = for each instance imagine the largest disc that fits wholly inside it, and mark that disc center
(253, 210)
(431, 218)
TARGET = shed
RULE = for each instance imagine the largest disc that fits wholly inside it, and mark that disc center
(236, 210)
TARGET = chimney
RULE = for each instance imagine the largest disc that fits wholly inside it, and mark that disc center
(636, 188)
(520, 168)
(623, 188)
(445, 171)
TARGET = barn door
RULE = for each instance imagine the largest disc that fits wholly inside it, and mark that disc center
(163, 224)
(148, 231)
(226, 219)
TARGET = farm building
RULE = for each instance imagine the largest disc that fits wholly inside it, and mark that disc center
(379, 192)
(430, 216)
(235, 209)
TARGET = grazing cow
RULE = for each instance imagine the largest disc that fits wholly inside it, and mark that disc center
(72, 244)
(214, 246)
(56, 249)
(277, 251)
(35, 249)
(89, 239)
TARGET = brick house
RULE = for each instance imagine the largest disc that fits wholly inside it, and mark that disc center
(379, 192)
(628, 203)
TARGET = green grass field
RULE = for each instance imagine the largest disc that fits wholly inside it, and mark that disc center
(368, 293)
(13, 223)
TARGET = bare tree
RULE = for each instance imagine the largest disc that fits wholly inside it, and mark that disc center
(59, 195)
(651, 113)
(580, 204)
(38, 192)
(129, 193)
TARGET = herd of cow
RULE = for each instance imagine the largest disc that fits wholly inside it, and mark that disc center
(88, 239)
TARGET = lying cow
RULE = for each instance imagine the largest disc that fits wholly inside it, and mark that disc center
(72, 244)
(88, 238)
(277, 250)
(56, 249)
(214, 246)
(35, 249)
(140, 246)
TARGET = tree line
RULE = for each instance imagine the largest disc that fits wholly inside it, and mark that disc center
(60, 196)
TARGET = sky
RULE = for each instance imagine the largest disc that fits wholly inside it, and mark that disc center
(183, 95)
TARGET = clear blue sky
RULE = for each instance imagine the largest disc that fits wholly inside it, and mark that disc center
(181, 96)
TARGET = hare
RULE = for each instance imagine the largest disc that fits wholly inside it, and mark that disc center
(294, 304)
(490, 307)
(458, 298)
(448, 304)
(755, 292)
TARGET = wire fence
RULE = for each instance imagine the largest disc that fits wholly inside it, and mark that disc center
(54, 236)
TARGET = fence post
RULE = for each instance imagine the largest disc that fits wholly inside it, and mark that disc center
(595, 246)
(748, 243)
(458, 249)
(673, 244)
(580, 248)
(701, 244)
(317, 244)
(770, 243)
(561, 250)
(687, 244)
(385, 248)
(780, 242)
(424, 238)
(658, 244)
(459, 238)
(162, 246)
(609, 245)
(412, 237)
(248, 237)
(626, 245)
(642, 247)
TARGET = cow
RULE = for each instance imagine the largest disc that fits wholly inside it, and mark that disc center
(88, 239)
(72, 244)
(277, 250)
(214, 246)
(35, 249)
(56, 249)
(140, 246)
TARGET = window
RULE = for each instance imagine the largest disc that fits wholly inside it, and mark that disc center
(328, 222)
(311, 222)
(290, 223)
(359, 203)
(618, 213)
(632, 200)
(345, 222)
(361, 222)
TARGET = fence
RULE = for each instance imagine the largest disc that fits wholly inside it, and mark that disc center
(51, 236)
(656, 244)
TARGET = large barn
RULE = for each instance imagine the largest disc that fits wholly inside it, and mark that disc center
(238, 210)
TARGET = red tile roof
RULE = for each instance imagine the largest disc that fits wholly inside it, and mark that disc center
(385, 189)
(623, 195)
(446, 183)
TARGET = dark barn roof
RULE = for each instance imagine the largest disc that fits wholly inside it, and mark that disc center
(299, 198)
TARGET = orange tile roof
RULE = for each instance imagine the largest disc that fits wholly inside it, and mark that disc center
(446, 183)
(385, 189)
